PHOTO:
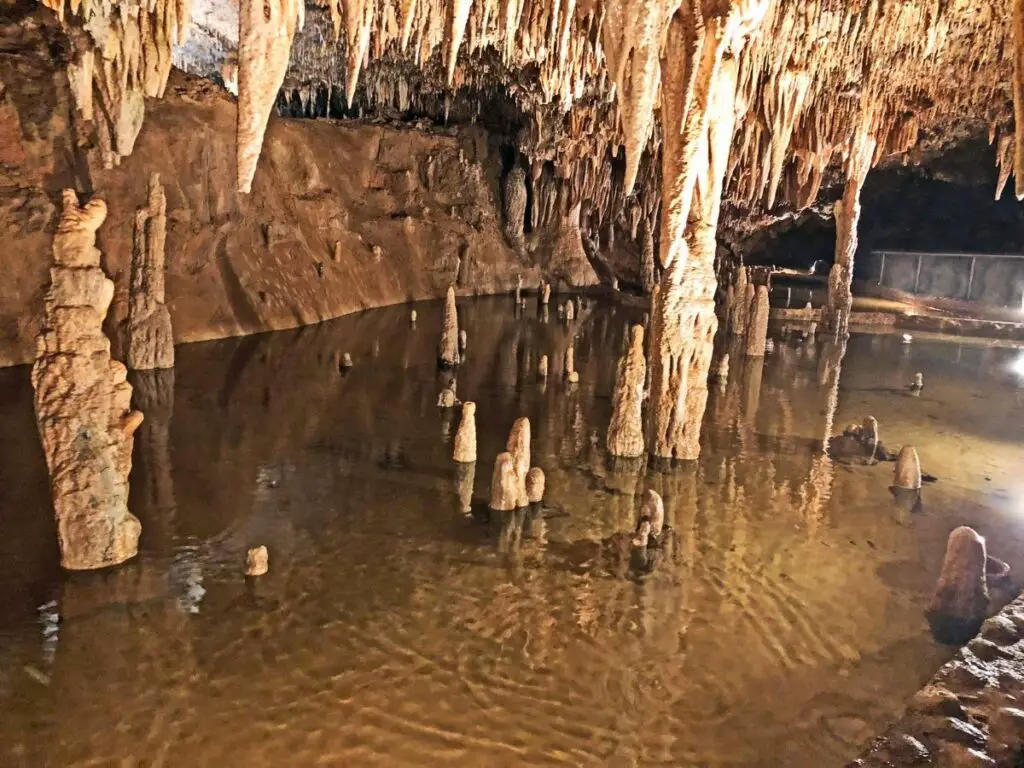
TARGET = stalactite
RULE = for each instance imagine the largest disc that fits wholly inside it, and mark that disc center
(1018, 97)
(265, 32)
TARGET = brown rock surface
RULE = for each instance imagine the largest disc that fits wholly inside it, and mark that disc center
(82, 401)
(149, 338)
(757, 323)
(626, 429)
(535, 485)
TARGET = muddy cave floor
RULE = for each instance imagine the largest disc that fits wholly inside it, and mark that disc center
(783, 627)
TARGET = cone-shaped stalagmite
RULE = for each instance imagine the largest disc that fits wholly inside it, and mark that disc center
(504, 484)
(82, 401)
(448, 353)
(519, 446)
(757, 325)
(908, 469)
(150, 341)
(960, 601)
(265, 32)
(626, 429)
(465, 438)
(698, 93)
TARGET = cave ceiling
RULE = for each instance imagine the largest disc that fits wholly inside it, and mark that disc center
(578, 84)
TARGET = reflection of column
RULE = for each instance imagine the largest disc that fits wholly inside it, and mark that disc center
(152, 486)
(753, 371)
(817, 490)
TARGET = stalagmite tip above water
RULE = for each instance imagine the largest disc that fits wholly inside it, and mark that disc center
(518, 445)
(626, 429)
(653, 510)
(504, 484)
(83, 400)
(907, 473)
(960, 602)
(465, 438)
(448, 352)
(257, 561)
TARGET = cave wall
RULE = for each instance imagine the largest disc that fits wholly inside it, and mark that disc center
(343, 217)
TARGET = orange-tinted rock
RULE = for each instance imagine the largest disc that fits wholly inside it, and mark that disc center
(960, 602)
(535, 485)
(908, 469)
(626, 429)
(504, 484)
(465, 438)
(150, 341)
(257, 561)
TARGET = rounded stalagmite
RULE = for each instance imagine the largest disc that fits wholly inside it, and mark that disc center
(908, 469)
(465, 438)
(412, 317)
(535, 485)
(504, 484)
(257, 561)
(448, 353)
(626, 429)
(518, 445)
(960, 602)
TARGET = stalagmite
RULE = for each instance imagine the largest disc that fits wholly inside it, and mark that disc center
(515, 205)
(908, 469)
(542, 367)
(465, 438)
(740, 304)
(757, 325)
(840, 278)
(570, 311)
(626, 430)
(647, 257)
(960, 602)
(463, 343)
(448, 352)
(697, 94)
(150, 342)
(265, 32)
(412, 318)
(518, 445)
(504, 484)
(519, 289)
(570, 365)
(82, 400)
(257, 561)
(535, 485)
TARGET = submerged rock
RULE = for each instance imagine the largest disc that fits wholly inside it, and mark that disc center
(960, 602)
(82, 400)
(465, 438)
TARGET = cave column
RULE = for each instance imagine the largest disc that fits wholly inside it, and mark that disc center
(698, 95)
(840, 278)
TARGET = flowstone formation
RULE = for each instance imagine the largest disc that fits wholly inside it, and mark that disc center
(83, 401)
(150, 341)
(626, 429)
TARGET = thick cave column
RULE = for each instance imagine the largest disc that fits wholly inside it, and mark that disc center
(840, 278)
(150, 340)
(82, 401)
(698, 98)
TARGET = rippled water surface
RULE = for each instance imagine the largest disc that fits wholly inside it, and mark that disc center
(782, 627)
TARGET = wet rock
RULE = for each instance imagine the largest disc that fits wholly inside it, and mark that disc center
(720, 370)
(906, 750)
(956, 731)
(519, 289)
(465, 438)
(908, 469)
(570, 365)
(953, 755)
(545, 293)
(932, 700)
(626, 429)
(961, 597)
(504, 484)
(448, 353)
(535, 485)
(918, 383)
(757, 323)
(346, 362)
(257, 561)
(150, 341)
(1000, 630)
(82, 400)
(570, 311)
(518, 445)
(647, 257)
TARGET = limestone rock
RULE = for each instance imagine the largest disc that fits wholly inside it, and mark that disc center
(626, 429)
(757, 323)
(908, 469)
(535, 485)
(740, 303)
(257, 561)
(519, 446)
(150, 341)
(570, 361)
(960, 602)
(463, 342)
(514, 189)
(504, 484)
(465, 476)
(82, 401)
(448, 353)
(465, 438)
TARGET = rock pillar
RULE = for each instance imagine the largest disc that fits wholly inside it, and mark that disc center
(504, 484)
(960, 602)
(448, 352)
(698, 101)
(82, 401)
(150, 341)
(649, 272)
(757, 325)
(518, 445)
(465, 438)
(625, 431)
(840, 278)
(514, 190)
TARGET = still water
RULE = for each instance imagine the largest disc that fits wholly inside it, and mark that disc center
(783, 627)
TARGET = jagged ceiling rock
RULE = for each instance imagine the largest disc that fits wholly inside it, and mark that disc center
(584, 78)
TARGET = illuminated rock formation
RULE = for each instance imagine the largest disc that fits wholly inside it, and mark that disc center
(648, 272)
(907, 473)
(514, 190)
(265, 32)
(504, 484)
(960, 602)
(739, 303)
(626, 429)
(150, 342)
(542, 367)
(82, 401)
(535, 485)
(448, 352)
(465, 438)
(757, 323)
(257, 561)
(569, 367)
(518, 445)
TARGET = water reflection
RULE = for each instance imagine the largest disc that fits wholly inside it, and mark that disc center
(780, 623)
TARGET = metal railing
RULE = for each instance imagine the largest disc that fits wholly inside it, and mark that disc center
(922, 256)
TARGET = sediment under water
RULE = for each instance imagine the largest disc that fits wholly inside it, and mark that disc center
(783, 626)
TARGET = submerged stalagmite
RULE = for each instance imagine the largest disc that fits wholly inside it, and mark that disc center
(83, 401)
